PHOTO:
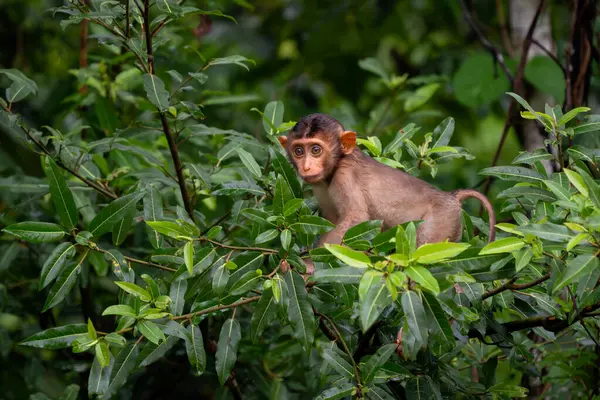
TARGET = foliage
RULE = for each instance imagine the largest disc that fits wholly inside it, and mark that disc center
(159, 237)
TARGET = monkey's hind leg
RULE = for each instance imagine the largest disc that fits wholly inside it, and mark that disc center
(437, 227)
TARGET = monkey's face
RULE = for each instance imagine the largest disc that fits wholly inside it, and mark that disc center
(312, 159)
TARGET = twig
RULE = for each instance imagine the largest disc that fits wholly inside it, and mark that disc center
(217, 308)
(517, 87)
(141, 262)
(343, 342)
(569, 51)
(549, 54)
(242, 248)
(574, 300)
(510, 285)
(485, 42)
(508, 44)
(163, 119)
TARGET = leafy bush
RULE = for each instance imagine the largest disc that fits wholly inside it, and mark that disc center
(380, 318)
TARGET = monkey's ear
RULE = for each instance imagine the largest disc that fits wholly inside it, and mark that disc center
(283, 141)
(348, 140)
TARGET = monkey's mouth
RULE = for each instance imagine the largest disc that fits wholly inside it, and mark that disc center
(312, 178)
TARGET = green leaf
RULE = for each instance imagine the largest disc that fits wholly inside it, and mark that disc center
(292, 206)
(55, 262)
(63, 285)
(572, 114)
(62, 198)
(443, 133)
(510, 391)
(169, 228)
(36, 232)
(340, 391)
(548, 231)
(194, 347)
(99, 377)
(300, 313)
(153, 211)
(188, 256)
(235, 59)
(348, 256)
(526, 105)
(364, 231)
(219, 279)
(438, 320)
(312, 225)
(247, 282)
(134, 290)
(121, 228)
(112, 213)
(282, 166)
(266, 236)
(152, 352)
(415, 315)
(249, 162)
(528, 158)
(264, 313)
(479, 81)
(376, 361)
(585, 128)
(283, 194)
(273, 116)
(102, 354)
(374, 66)
(286, 239)
(424, 278)
(151, 331)
(120, 309)
(56, 338)
(431, 253)
(590, 183)
(546, 76)
(575, 267)
(338, 363)
(577, 181)
(373, 300)
(227, 347)
(379, 393)
(559, 191)
(344, 275)
(515, 174)
(156, 92)
(421, 388)
(21, 85)
(177, 295)
(124, 364)
(528, 192)
(420, 96)
(504, 245)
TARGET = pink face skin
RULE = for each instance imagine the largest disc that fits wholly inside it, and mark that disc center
(310, 157)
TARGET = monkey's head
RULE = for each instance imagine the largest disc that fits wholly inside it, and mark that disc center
(315, 145)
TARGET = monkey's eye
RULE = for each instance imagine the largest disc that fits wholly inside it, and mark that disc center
(298, 151)
(316, 150)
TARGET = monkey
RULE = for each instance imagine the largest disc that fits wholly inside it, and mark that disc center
(351, 187)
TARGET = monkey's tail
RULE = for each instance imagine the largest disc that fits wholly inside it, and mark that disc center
(463, 194)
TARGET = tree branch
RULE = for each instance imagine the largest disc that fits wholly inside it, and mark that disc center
(498, 57)
(163, 119)
(218, 308)
(510, 285)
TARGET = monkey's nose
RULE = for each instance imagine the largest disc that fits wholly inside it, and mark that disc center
(306, 168)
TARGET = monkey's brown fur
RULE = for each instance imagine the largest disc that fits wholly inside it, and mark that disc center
(351, 187)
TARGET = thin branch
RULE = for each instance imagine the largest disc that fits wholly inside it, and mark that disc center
(343, 342)
(165, 123)
(498, 57)
(574, 300)
(510, 285)
(242, 248)
(517, 88)
(508, 44)
(218, 308)
(141, 262)
(549, 54)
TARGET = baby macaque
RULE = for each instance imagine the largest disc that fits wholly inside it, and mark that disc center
(352, 188)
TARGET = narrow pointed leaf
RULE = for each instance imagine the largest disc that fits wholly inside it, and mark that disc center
(63, 285)
(227, 348)
(62, 198)
(112, 213)
(375, 297)
(120, 309)
(152, 352)
(300, 313)
(195, 349)
(424, 278)
(124, 364)
(177, 295)
(435, 252)
(151, 331)
(345, 275)
(415, 315)
(99, 378)
(312, 225)
(56, 338)
(338, 363)
(55, 262)
(348, 256)
(153, 211)
(264, 313)
(135, 290)
(381, 356)
(504, 245)
(156, 92)
(575, 267)
(36, 232)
